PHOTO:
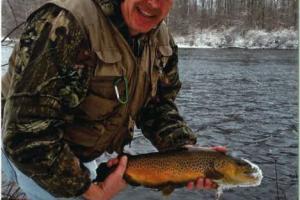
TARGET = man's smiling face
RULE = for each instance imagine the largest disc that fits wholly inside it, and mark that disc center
(143, 15)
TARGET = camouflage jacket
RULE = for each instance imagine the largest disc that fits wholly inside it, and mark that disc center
(43, 92)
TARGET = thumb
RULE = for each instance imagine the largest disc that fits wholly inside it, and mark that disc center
(121, 166)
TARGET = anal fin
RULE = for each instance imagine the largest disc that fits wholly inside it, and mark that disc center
(167, 190)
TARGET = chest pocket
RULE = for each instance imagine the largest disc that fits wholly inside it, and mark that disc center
(102, 101)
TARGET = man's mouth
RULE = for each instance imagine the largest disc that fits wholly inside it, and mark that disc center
(145, 13)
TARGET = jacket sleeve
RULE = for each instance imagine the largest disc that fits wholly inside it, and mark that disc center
(47, 83)
(159, 119)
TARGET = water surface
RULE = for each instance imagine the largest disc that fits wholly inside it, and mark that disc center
(245, 100)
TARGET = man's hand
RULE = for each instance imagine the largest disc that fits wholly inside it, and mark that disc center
(112, 185)
(205, 183)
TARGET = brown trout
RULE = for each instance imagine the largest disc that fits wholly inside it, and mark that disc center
(172, 169)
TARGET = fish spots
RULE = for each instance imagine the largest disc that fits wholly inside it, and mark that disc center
(177, 167)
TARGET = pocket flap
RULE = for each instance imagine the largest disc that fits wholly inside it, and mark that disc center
(165, 50)
(109, 55)
(97, 107)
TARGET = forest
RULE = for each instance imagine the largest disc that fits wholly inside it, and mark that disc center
(188, 15)
(192, 15)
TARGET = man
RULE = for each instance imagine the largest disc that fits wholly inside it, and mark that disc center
(84, 72)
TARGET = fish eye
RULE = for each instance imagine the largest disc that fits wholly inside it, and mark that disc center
(242, 163)
(244, 166)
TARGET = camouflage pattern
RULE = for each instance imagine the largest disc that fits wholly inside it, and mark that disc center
(159, 119)
(48, 81)
(53, 66)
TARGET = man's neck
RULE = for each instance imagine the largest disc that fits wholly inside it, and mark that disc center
(113, 13)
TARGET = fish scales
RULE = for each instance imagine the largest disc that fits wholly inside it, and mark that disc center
(171, 167)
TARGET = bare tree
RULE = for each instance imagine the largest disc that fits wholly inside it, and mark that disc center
(188, 15)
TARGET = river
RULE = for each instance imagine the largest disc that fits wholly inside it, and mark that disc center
(246, 100)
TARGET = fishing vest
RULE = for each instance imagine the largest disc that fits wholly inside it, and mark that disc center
(120, 85)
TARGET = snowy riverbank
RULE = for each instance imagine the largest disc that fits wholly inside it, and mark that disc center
(234, 38)
(231, 37)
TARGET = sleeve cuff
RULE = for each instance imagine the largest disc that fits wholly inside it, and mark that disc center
(84, 188)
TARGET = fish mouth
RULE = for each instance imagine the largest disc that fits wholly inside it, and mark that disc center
(255, 175)
(252, 177)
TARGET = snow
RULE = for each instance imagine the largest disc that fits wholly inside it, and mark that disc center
(233, 37)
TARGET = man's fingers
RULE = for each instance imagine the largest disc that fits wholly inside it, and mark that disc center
(190, 185)
(200, 183)
(220, 149)
(121, 166)
(216, 148)
(112, 162)
(207, 184)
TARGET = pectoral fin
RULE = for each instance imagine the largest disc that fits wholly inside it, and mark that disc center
(214, 175)
(167, 190)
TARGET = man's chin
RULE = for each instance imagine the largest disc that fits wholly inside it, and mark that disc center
(140, 30)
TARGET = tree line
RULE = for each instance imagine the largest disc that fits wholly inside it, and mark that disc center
(190, 15)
